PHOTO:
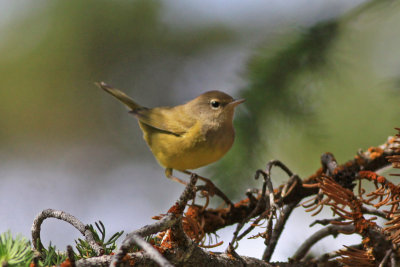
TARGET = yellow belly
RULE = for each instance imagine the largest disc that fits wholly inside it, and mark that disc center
(188, 151)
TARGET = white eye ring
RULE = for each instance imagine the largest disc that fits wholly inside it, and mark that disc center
(215, 104)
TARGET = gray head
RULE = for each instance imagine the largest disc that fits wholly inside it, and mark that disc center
(214, 106)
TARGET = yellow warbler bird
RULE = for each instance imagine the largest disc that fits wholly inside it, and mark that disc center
(187, 136)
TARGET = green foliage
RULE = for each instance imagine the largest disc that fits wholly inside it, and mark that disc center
(14, 252)
(84, 249)
(18, 252)
(51, 256)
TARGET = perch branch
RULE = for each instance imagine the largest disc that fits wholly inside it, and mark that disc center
(199, 258)
(345, 173)
(174, 216)
(211, 188)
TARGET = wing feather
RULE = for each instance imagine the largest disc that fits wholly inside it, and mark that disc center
(168, 119)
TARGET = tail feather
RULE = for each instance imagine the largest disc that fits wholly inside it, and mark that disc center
(121, 96)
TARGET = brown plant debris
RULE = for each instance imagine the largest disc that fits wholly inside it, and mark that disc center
(180, 236)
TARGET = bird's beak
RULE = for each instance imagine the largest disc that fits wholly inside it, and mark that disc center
(234, 103)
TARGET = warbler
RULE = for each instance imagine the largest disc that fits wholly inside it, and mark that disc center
(187, 136)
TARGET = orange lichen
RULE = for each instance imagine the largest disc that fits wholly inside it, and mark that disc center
(359, 160)
(393, 140)
(66, 263)
(242, 202)
(167, 241)
(375, 152)
(372, 176)
(129, 259)
(175, 209)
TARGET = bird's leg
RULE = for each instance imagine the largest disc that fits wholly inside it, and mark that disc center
(168, 173)
(212, 189)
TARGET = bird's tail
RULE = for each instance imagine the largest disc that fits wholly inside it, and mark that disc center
(121, 96)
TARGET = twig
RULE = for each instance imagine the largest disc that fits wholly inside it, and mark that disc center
(185, 245)
(317, 236)
(252, 199)
(261, 201)
(211, 188)
(276, 233)
(61, 215)
(258, 207)
(165, 223)
(199, 258)
(290, 184)
(326, 221)
(304, 189)
(36, 258)
(326, 256)
(187, 194)
(329, 163)
(393, 260)
(367, 210)
(386, 258)
(279, 164)
(182, 238)
(150, 251)
(252, 226)
(174, 216)
(71, 256)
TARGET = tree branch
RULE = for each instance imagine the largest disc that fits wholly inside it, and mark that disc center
(61, 215)
(317, 236)
(173, 217)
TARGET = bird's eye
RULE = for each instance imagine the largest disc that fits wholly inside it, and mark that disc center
(215, 104)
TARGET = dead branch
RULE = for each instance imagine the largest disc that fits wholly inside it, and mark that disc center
(333, 230)
(174, 216)
(183, 229)
(61, 215)
(71, 256)
(374, 159)
(276, 233)
(199, 257)
(150, 251)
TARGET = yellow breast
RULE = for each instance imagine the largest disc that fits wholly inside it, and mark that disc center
(194, 149)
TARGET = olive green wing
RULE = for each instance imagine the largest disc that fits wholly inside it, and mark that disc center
(171, 120)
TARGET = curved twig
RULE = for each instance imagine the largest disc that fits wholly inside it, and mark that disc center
(61, 215)
(317, 236)
(211, 188)
(262, 201)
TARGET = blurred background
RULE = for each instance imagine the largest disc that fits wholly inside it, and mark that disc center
(318, 76)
